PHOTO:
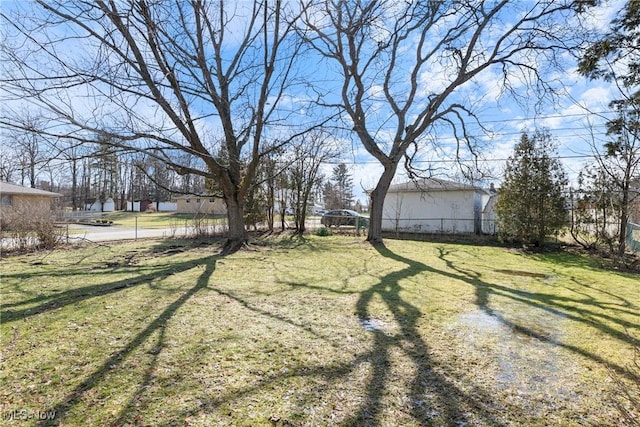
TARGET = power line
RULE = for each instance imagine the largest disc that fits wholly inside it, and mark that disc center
(514, 133)
(369, 162)
(553, 116)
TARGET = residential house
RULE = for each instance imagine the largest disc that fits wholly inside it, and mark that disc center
(489, 214)
(19, 200)
(204, 204)
(434, 205)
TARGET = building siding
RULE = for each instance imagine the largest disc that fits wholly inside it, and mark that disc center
(201, 204)
(452, 211)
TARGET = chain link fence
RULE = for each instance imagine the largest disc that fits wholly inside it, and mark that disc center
(633, 237)
(440, 225)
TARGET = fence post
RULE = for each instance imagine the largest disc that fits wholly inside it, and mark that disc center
(136, 235)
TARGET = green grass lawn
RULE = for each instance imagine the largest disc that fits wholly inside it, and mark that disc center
(315, 332)
(157, 219)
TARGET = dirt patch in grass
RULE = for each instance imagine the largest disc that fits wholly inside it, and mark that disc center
(522, 273)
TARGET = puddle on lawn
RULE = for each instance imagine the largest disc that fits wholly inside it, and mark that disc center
(371, 325)
(530, 366)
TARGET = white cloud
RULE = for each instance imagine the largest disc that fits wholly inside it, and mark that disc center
(600, 16)
(433, 79)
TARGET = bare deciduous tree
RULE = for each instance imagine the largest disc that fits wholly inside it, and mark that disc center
(310, 152)
(8, 164)
(615, 57)
(164, 78)
(402, 65)
(29, 147)
(619, 164)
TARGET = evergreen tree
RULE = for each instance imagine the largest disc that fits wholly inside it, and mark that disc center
(330, 196)
(342, 186)
(616, 56)
(256, 207)
(532, 204)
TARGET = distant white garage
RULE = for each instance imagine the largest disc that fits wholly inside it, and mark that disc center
(434, 205)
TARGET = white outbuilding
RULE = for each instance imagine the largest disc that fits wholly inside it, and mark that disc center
(433, 205)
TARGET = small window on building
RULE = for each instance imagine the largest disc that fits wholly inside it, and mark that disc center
(210, 200)
(187, 201)
(197, 200)
(7, 200)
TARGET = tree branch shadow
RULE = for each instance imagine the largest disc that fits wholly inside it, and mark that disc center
(413, 345)
(426, 382)
(429, 384)
(565, 307)
(157, 325)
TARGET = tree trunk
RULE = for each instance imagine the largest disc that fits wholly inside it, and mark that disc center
(237, 235)
(32, 175)
(270, 204)
(624, 218)
(302, 218)
(74, 184)
(377, 203)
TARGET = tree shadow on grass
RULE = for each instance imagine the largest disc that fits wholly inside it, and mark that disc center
(44, 303)
(585, 261)
(587, 310)
(434, 398)
(426, 382)
(158, 325)
(428, 388)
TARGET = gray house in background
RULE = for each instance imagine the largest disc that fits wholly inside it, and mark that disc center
(433, 205)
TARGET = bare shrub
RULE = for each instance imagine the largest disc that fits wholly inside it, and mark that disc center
(200, 222)
(21, 235)
(174, 226)
(31, 225)
(47, 234)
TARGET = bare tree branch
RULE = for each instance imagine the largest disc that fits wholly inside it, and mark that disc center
(207, 79)
(386, 52)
